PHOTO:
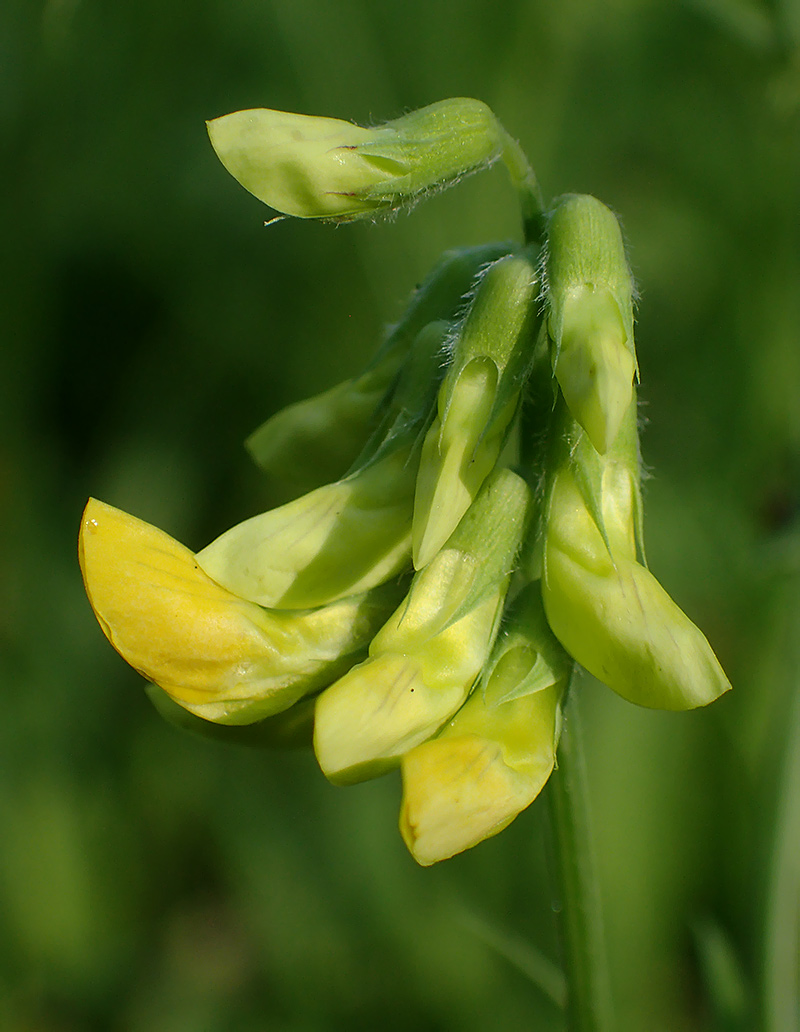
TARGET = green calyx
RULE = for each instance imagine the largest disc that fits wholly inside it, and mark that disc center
(303, 444)
(478, 399)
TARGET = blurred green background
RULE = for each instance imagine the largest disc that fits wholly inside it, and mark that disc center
(151, 882)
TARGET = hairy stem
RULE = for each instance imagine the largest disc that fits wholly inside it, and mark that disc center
(527, 185)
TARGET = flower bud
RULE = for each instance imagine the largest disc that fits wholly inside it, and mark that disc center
(477, 401)
(313, 167)
(424, 661)
(590, 320)
(493, 758)
(606, 608)
(217, 655)
(313, 441)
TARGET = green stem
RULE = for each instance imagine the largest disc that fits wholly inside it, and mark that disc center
(781, 929)
(527, 185)
(588, 993)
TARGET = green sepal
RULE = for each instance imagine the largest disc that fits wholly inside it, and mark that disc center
(430, 148)
(527, 656)
(491, 354)
(585, 248)
(593, 473)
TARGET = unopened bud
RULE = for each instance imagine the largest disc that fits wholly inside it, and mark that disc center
(590, 320)
(313, 167)
(477, 401)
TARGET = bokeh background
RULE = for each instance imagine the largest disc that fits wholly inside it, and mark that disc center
(154, 882)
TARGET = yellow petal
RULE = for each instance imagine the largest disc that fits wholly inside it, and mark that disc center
(457, 792)
(158, 609)
(486, 766)
(614, 617)
(393, 701)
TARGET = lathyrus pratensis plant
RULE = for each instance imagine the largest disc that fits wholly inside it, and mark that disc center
(479, 531)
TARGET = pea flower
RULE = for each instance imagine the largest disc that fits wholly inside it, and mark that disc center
(219, 656)
(464, 518)
(424, 661)
(494, 757)
(606, 608)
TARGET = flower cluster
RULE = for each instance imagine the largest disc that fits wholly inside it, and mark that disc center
(479, 530)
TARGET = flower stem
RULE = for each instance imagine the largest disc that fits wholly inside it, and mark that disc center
(527, 185)
(780, 982)
(588, 993)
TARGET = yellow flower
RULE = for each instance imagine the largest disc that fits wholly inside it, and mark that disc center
(604, 606)
(424, 661)
(218, 655)
(494, 757)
